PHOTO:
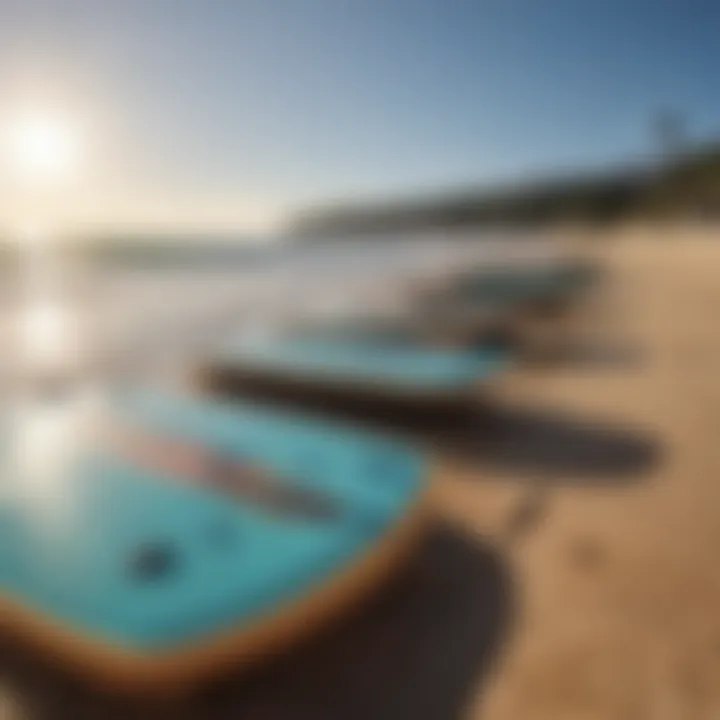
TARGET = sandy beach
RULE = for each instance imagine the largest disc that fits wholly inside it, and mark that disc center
(617, 584)
(572, 572)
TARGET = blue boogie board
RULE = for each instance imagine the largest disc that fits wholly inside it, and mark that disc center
(361, 363)
(513, 287)
(150, 538)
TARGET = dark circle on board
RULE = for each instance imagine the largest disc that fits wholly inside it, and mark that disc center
(152, 562)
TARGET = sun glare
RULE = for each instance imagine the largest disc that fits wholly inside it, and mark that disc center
(43, 147)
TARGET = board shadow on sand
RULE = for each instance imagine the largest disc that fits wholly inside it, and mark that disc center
(554, 447)
(586, 355)
(419, 649)
(537, 445)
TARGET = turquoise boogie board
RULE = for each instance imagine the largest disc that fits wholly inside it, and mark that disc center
(510, 289)
(150, 539)
(354, 362)
(418, 331)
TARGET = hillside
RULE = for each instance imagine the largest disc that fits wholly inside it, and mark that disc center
(689, 185)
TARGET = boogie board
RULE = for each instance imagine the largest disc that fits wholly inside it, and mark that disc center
(508, 290)
(354, 364)
(493, 331)
(150, 539)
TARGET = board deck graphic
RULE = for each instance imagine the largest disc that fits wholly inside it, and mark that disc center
(234, 477)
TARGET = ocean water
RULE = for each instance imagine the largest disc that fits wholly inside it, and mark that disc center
(136, 313)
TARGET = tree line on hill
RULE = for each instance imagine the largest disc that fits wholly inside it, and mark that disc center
(683, 186)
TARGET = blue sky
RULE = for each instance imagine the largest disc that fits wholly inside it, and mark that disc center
(237, 109)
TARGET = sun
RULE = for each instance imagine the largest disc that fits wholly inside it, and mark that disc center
(43, 147)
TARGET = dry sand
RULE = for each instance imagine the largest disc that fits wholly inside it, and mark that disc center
(619, 585)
